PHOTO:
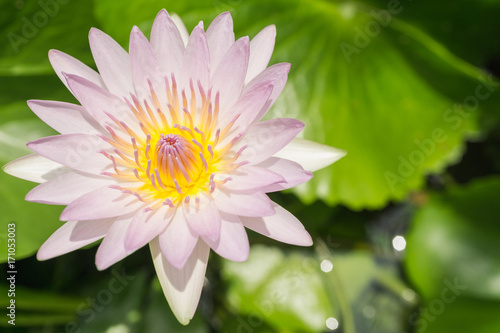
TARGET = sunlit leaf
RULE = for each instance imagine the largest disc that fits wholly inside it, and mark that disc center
(454, 242)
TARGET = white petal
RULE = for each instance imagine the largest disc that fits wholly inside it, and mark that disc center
(76, 151)
(67, 188)
(265, 138)
(145, 68)
(182, 28)
(229, 76)
(292, 172)
(311, 155)
(233, 242)
(196, 62)
(65, 118)
(277, 75)
(178, 240)
(64, 63)
(203, 217)
(167, 43)
(220, 37)
(112, 61)
(255, 204)
(34, 168)
(282, 226)
(146, 225)
(112, 248)
(261, 49)
(73, 235)
(249, 177)
(99, 102)
(182, 288)
(102, 203)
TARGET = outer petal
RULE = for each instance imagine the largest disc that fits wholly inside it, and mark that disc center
(292, 172)
(203, 217)
(112, 61)
(282, 226)
(196, 62)
(146, 225)
(311, 155)
(76, 151)
(261, 49)
(102, 203)
(65, 118)
(167, 43)
(34, 168)
(64, 63)
(98, 102)
(67, 188)
(255, 204)
(181, 27)
(178, 241)
(220, 37)
(73, 235)
(229, 76)
(145, 68)
(266, 138)
(245, 109)
(249, 177)
(277, 75)
(233, 242)
(182, 287)
(112, 248)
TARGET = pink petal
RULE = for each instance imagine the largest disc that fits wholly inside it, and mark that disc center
(112, 248)
(310, 155)
(292, 172)
(65, 118)
(246, 108)
(67, 188)
(266, 138)
(178, 241)
(64, 63)
(146, 225)
(182, 287)
(167, 43)
(229, 76)
(255, 204)
(34, 168)
(76, 151)
(277, 75)
(203, 217)
(102, 203)
(220, 37)
(98, 101)
(113, 63)
(249, 177)
(233, 242)
(73, 235)
(282, 226)
(196, 62)
(145, 67)
(261, 49)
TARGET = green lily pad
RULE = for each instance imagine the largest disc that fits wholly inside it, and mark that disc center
(454, 241)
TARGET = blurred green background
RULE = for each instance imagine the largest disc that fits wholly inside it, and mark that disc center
(405, 226)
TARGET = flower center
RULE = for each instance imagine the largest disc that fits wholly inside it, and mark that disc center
(176, 161)
(171, 152)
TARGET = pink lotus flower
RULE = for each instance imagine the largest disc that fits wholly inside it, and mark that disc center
(167, 148)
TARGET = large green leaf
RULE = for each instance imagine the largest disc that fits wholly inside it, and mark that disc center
(285, 291)
(29, 29)
(386, 95)
(454, 240)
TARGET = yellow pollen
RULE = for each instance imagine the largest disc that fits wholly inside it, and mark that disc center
(172, 151)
